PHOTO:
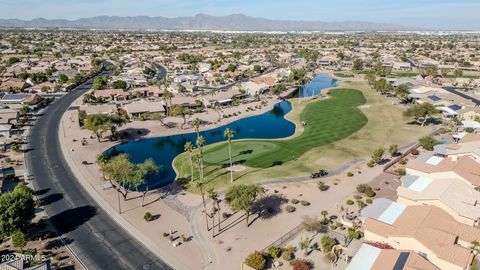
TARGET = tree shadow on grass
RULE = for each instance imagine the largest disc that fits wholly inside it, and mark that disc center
(69, 220)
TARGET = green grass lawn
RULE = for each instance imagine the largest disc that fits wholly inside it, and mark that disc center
(327, 121)
(343, 74)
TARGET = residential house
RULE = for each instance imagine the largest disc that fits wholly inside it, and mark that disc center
(453, 195)
(19, 264)
(138, 108)
(13, 84)
(427, 230)
(463, 167)
(116, 95)
(148, 92)
(369, 257)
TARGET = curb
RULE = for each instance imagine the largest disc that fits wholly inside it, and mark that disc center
(132, 230)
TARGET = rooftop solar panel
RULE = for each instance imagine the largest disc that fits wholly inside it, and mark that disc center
(455, 107)
(391, 214)
(420, 184)
(365, 258)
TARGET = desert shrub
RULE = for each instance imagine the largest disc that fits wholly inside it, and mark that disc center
(301, 264)
(362, 187)
(327, 243)
(415, 152)
(349, 174)
(256, 260)
(361, 204)
(401, 171)
(290, 209)
(274, 252)
(357, 197)
(350, 202)
(322, 186)
(148, 216)
(369, 201)
(354, 234)
(294, 201)
(403, 161)
(288, 256)
(305, 203)
(370, 193)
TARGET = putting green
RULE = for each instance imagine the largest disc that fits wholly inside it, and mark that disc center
(326, 121)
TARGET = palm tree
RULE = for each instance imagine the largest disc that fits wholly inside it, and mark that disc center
(475, 246)
(213, 195)
(189, 148)
(324, 214)
(196, 123)
(200, 144)
(199, 185)
(218, 110)
(167, 96)
(228, 133)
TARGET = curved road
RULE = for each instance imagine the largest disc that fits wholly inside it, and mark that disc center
(97, 240)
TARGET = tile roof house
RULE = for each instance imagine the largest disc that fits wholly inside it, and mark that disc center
(452, 195)
(464, 167)
(111, 94)
(426, 230)
(372, 258)
(471, 148)
(137, 108)
(20, 264)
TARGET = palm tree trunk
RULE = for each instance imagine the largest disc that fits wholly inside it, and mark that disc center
(143, 197)
(213, 223)
(230, 155)
(219, 216)
(248, 216)
(191, 162)
(204, 208)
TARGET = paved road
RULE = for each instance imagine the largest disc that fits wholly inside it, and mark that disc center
(454, 90)
(161, 72)
(98, 241)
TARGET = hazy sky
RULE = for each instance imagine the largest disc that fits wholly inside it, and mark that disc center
(435, 14)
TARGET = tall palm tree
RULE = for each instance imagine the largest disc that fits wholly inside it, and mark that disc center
(200, 144)
(228, 133)
(167, 96)
(196, 123)
(213, 195)
(199, 185)
(188, 147)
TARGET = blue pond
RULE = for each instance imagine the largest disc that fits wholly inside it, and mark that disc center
(270, 125)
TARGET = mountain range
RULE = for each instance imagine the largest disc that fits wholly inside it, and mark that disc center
(234, 22)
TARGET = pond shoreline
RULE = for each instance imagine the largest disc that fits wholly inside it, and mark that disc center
(253, 125)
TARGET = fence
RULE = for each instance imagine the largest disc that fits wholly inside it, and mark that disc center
(286, 237)
(406, 153)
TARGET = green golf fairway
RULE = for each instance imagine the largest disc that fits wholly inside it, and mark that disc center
(326, 121)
